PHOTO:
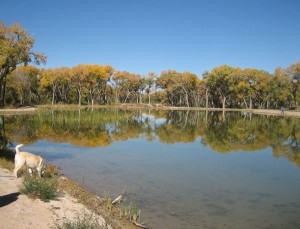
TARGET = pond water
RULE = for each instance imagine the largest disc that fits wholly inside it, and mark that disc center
(184, 169)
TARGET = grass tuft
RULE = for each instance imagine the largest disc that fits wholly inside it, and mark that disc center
(51, 171)
(84, 222)
(39, 188)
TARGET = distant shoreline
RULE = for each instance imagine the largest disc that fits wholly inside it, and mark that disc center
(272, 112)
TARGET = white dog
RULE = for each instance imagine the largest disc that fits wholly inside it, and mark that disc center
(31, 160)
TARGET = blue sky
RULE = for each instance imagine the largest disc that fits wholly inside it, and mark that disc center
(142, 36)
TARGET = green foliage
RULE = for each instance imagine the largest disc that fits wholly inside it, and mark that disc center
(181, 88)
(23, 85)
(41, 188)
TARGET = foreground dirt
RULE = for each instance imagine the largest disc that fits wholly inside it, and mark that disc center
(19, 212)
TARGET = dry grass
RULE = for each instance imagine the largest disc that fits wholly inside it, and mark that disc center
(94, 203)
(83, 222)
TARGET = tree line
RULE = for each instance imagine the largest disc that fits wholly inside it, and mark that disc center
(222, 87)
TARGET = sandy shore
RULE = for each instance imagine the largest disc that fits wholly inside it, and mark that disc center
(19, 212)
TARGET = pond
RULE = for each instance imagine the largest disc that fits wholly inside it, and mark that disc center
(184, 169)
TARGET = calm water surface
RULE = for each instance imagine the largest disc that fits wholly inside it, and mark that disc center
(184, 169)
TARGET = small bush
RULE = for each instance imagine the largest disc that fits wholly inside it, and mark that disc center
(39, 188)
(84, 222)
(51, 171)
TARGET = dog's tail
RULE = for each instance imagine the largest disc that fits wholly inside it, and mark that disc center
(17, 148)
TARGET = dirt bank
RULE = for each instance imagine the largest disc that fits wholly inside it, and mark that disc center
(19, 212)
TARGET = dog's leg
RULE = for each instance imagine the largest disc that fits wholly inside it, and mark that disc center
(40, 168)
(17, 167)
(30, 171)
(16, 172)
(19, 162)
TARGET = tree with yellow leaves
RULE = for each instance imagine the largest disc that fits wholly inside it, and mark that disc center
(78, 75)
(15, 49)
(23, 84)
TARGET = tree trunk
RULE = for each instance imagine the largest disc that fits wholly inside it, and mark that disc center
(79, 96)
(141, 97)
(3, 92)
(117, 97)
(224, 102)
(91, 96)
(245, 102)
(206, 102)
(187, 99)
(149, 98)
(53, 94)
(3, 73)
(104, 94)
(128, 93)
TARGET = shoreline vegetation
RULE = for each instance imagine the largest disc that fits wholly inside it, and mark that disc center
(30, 109)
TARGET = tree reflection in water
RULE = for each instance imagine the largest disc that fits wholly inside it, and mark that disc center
(222, 131)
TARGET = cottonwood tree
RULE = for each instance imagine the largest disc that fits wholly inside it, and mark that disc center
(78, 76)
(57, 82)
(104, 74)
(280, 88)
(23, 84)
(219, 83)
(15, 49)
(150, 83)
(168, 81)
(125, 84)
(293, 72)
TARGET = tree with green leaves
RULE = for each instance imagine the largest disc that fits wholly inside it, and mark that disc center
(23, 84)
(150, 83)
(15, 49)
(280, 89)
(218, 82)
(293, 72)
(78, 75)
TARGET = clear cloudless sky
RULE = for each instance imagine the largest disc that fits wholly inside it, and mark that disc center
(142, 36)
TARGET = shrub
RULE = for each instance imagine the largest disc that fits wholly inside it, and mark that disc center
(41, 188)
(84, 222)
(51, 171)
